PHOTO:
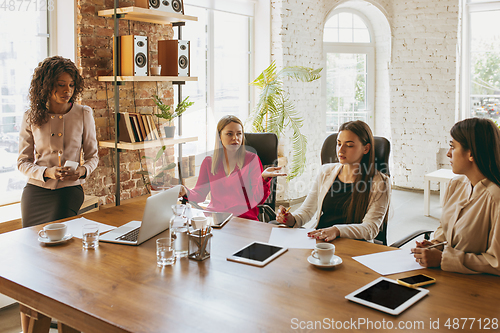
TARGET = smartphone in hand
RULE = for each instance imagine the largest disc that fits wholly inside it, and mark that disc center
(72, 165)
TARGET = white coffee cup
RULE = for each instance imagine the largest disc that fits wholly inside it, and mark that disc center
(323, 252)
(54, 232)
(199, 222)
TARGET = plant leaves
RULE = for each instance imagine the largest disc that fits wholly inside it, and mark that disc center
(160, 153)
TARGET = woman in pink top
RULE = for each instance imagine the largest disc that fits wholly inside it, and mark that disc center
(233, 176)
(470, 221)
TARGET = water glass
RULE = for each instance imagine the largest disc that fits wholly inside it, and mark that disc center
(90, 235)
(164, 252)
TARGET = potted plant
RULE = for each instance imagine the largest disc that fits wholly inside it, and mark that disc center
(275, 112)
(156, 177)
(168, 115)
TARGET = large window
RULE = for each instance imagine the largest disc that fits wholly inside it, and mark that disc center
(481, 81)
(221, 59)
(349, 56)
(24, 43)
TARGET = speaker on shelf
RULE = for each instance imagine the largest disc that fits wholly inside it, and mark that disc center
(173, 57)
(171, 6)
(133, 53)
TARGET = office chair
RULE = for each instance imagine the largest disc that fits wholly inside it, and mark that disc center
(265, 145)
(382, 148)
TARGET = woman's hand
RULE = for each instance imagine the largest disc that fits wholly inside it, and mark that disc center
(427, 257)
(73, 175)
(272, 172)
(326, 234)
(183, 191)
(55, 172)
(283, 216)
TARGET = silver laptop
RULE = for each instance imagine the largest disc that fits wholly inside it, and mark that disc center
(156, 219)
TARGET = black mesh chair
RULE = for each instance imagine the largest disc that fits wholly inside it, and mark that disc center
(382, 151)
(265, 145)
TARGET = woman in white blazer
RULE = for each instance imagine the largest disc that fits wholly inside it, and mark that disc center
(350, 198)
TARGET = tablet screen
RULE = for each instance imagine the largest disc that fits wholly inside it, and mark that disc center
(257, 251)
(387, 294)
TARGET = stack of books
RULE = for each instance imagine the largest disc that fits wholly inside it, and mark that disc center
(136, 127)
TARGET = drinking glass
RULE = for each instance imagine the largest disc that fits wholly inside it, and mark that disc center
(165, 255)
(90, 236)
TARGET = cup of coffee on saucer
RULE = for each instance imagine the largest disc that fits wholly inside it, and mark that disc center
(323, 252)
(53, 233)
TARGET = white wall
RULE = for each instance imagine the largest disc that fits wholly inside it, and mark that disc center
(417, 110)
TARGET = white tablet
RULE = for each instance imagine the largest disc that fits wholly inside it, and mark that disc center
(387, 295)
(257, 254)
(217, 219)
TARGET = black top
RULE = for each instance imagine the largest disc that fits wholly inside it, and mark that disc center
(334, 209)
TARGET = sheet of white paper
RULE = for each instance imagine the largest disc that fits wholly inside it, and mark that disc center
(389, 262)
(292, 238)
(75, 226)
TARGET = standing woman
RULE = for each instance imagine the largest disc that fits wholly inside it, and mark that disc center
(351, 197)
(233, 176)
(55, 130)
(470, 221)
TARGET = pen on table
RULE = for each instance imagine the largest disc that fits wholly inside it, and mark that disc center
(435, 245)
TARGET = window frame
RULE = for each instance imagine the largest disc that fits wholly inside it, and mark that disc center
(463, 110)
(358, 48)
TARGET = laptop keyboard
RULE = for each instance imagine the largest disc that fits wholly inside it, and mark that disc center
(130, 236)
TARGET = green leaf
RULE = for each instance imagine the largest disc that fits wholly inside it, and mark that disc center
(144, 173)
(160, 153)
(274, 112)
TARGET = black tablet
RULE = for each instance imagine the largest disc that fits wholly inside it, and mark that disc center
(387, 295)
(257, 254)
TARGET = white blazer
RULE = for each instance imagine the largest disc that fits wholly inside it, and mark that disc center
(366, 229)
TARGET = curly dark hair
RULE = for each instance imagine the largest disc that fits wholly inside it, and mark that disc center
(43, 84)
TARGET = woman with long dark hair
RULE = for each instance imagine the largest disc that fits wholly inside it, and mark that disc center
(351, 197)
(470, 221)
(55, 130)
(233, 176)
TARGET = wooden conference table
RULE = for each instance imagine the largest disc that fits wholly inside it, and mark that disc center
(119, 288)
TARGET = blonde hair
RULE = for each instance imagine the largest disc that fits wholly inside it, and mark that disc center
(218, 156)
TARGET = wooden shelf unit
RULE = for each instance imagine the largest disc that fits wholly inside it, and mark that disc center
(147, 15)
(147, 78)
(147, 144)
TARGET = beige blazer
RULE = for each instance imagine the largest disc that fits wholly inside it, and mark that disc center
(69, 134)
(470, 222)
(366, 229)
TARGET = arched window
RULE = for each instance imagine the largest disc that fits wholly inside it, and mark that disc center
(350, 65)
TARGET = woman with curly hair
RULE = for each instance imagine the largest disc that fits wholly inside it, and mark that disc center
(55, 130)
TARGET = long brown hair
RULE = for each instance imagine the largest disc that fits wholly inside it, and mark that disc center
(358, 206)
(482, 137)
(219, 148)
(43, 84)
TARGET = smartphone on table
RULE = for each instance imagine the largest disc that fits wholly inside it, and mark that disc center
(415, 281)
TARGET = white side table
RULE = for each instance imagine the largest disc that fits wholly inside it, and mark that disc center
(443, 176)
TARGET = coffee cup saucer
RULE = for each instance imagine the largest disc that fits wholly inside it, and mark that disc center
(47, 241)
(336, 260)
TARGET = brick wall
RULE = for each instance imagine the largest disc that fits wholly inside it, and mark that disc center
(94, 57)
(415, 83)
(422, 79)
